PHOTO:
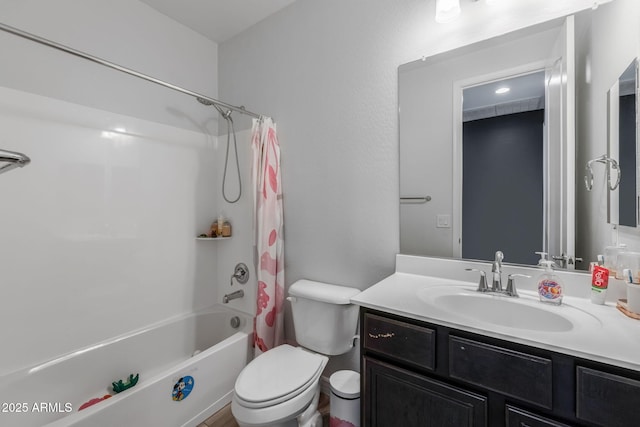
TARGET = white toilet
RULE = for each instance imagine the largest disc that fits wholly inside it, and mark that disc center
(280, 388)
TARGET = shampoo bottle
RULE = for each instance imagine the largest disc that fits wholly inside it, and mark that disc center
(549, 285)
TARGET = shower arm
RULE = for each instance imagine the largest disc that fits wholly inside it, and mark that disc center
(13, 160)
(72, 51)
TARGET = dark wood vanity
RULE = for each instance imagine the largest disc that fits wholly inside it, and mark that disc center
(423, 374)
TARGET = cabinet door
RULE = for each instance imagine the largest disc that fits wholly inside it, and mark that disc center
(396, 397)
(606, 399)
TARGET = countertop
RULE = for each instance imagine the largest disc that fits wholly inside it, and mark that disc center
(600, 333)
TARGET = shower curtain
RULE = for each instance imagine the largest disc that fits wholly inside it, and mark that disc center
(268, 241)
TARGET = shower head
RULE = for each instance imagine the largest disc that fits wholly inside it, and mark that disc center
(204, 101)
(13, 160)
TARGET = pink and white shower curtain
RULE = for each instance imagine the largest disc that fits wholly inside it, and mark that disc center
(268, 241)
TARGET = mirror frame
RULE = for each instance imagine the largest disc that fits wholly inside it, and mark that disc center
(526, 64)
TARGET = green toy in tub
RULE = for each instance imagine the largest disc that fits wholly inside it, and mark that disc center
(120, 385)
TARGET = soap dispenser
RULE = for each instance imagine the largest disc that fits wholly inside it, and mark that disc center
(549, 284)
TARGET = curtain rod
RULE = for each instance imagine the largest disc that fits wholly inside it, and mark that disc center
(72, 51)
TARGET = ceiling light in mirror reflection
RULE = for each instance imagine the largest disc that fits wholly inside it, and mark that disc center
(447, 10)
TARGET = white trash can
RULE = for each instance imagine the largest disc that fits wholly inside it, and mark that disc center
(345, 399)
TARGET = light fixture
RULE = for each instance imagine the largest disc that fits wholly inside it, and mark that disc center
(502, 90)
(447, 10)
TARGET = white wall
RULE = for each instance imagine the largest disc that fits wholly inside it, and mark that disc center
(326, 71)
(605, 52)
(97, 233)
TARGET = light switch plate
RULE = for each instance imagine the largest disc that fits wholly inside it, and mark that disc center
(443, 221)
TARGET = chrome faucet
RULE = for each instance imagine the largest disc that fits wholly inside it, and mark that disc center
(496, 286)
(240, 273)
(233, 295)
(496, 269)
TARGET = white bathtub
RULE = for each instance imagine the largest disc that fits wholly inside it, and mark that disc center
(51, 393)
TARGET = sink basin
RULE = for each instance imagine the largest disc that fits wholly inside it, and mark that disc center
(504, 311)
(526, 313)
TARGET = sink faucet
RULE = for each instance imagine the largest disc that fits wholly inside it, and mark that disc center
(482, 284)
(496, 286)
(511, 285)
(233, 295)
(496, 269)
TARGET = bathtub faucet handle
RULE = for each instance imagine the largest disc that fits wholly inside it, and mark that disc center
(240, 273)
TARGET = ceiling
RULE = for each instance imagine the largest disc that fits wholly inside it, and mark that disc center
(521, 87)
(218, 20)
(526, 93)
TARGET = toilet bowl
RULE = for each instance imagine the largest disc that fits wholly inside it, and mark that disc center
(280, 388)
(277, 387)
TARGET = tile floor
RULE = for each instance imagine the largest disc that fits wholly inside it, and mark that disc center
(223, 417)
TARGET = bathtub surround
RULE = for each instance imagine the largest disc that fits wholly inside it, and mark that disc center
(99, 237)
(88, 235)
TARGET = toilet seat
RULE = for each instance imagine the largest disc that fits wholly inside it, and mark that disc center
(278, 375)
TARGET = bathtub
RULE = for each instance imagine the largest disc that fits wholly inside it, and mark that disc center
(208, 348)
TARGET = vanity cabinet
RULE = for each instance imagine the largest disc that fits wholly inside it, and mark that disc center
(422, 374)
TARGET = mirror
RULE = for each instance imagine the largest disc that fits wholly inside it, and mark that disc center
(462, 198)
(431, 96)
(623, 143)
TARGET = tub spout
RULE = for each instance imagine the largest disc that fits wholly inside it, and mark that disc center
(232, 295)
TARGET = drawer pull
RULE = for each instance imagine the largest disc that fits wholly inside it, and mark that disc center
(384, 335)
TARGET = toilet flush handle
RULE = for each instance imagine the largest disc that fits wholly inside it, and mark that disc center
(355, 338)
(292, 299)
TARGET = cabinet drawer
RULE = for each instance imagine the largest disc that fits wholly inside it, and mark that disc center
(520, 418)
(515, 374)
(400, 340)
(607, 399)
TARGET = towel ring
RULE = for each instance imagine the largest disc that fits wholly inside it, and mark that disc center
(610, 164)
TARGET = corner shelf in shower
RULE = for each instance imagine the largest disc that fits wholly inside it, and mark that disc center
(213, 238)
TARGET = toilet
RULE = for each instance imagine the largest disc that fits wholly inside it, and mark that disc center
(280, 388)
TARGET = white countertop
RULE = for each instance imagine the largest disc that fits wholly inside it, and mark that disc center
(600, 332)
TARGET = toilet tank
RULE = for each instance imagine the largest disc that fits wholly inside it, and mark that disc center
(325, 321)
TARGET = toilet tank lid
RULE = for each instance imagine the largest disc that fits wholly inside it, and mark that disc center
(323, 292)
